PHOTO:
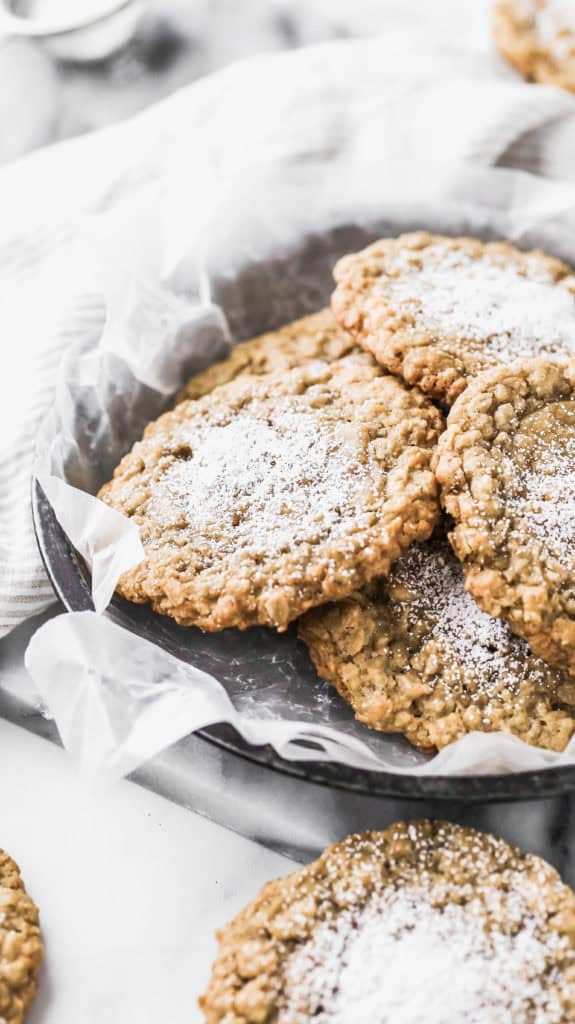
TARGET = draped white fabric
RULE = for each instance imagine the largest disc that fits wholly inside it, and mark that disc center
(442, 95)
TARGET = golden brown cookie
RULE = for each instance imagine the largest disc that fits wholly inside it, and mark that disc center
(21, 949)
(538, 38)
(313, 337)
(413, 653)
(436, 311)
(426, 922)
(273, 494)
(506, 465)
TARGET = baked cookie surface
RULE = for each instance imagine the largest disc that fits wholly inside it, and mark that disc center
(423, 922)
(436, 310)
(413, 653)
(277, 493)
(506, 467)
(538, 38)
(313, 337)
(21, 949)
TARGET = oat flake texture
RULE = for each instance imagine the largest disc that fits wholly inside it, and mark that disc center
(546, 497)
(414, 653)
(438, 310)
(426, 923)
(313, 337)
(538, 38)
(274, 494)
(21, 949)
(506, 467)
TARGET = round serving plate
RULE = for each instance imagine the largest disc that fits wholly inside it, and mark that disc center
(299, 807)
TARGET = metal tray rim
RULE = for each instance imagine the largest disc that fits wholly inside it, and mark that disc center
(63, 568)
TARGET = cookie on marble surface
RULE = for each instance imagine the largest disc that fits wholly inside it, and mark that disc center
(21, 949)
(413, 653)
(506, 467)
(313, 337)
(277, 493)
(538, 38)
(437, 311)
(423, 922)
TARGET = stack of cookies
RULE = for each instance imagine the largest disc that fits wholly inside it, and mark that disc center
(305, 477)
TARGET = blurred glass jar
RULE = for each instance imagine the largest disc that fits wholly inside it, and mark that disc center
(73, 30)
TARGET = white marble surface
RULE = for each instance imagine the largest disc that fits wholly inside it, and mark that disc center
(130, 889)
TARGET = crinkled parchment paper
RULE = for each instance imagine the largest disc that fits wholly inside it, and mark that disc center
(181, 279)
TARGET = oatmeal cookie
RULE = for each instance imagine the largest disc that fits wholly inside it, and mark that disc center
(313, 337)
(277, 493)
(413, 653)
(436, 311)
(506, 466)
(21, 949)
(538, 38)
(423, 922)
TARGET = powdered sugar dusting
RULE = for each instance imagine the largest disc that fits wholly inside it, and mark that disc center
(481, 301)
(403, 960)
(548, 505)
(469, 638)
(265, 483)
(544, 502)
(555, 23)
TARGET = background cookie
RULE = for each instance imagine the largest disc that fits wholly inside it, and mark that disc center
(436, 311)
(506, 466)
(423, 922)
(414, 654)
(277, 493)
(538, 38)
(313, 337)
(21, 949)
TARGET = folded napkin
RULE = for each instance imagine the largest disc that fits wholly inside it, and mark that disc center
(398, 97)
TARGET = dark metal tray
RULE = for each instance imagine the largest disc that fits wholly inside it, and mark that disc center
(297, 808)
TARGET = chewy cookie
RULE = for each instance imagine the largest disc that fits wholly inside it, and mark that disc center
(21, 949)
(413, 653)
(506, 465)
(423, 922)
(313, 337)
(437, 311)
(538, 38)
(277, 493)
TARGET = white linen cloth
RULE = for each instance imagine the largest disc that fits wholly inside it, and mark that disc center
(401, 95)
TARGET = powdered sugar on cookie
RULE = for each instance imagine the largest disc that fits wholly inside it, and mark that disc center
(272, 494)
(480, 300)
(540, 487)
(468, 639)
(403, 960)
(555, 25)
(414, 653)
(425, 923)
(265, 483)
(437, 310)
(547, 504)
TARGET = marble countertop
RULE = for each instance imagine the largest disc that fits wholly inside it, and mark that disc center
(130, 887)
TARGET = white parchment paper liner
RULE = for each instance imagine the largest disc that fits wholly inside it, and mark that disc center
(178, 288)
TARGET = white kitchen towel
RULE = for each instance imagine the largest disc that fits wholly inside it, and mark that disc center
(400, 96)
